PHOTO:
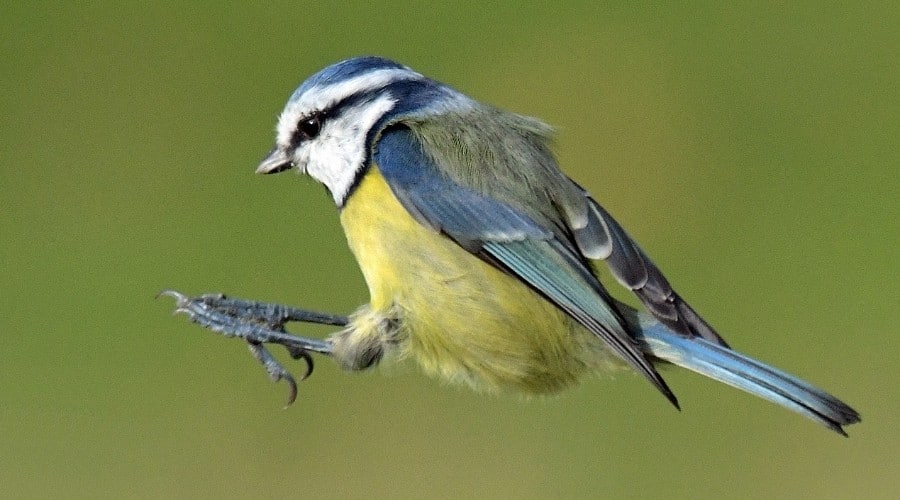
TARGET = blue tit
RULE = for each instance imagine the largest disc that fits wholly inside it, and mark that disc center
(479, 252)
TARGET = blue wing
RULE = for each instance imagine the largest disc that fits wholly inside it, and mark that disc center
(509, 239)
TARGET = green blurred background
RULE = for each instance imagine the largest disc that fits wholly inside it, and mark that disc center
(753, 152)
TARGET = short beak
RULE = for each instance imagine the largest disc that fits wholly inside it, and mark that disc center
(274, 162)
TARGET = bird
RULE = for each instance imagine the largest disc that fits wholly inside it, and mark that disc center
(481, 256)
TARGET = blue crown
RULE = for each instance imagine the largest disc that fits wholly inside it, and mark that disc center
(346, 70)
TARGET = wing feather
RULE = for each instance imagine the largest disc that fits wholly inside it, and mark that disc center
(509, 239)
(633, 269)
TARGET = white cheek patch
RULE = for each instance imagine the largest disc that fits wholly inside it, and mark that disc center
(338, 153)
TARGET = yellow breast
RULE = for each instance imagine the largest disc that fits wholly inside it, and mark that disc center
(464, 319)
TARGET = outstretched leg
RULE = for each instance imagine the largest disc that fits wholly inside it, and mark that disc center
(259, 323)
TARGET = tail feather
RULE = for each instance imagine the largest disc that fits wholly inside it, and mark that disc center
(737, 370)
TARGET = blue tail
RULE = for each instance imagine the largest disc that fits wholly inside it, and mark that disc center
(732, 368)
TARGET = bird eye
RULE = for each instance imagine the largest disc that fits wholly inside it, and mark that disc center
(309, 127)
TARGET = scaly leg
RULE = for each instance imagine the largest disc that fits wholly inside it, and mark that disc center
(258, 324)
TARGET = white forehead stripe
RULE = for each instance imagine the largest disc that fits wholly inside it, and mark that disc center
(320, 97)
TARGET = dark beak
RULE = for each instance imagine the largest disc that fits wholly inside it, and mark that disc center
(274, 162)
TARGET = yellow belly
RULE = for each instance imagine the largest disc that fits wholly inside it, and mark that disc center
(461, 318)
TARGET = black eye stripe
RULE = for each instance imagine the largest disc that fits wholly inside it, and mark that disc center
(309, 126)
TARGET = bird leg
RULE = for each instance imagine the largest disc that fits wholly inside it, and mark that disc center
(258, 324)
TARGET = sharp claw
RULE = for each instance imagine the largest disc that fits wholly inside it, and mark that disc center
(309, 364)
(179, 297)
(276, 371)
(292, 393)
(181, 301)
(170, 293)
(298, 353)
